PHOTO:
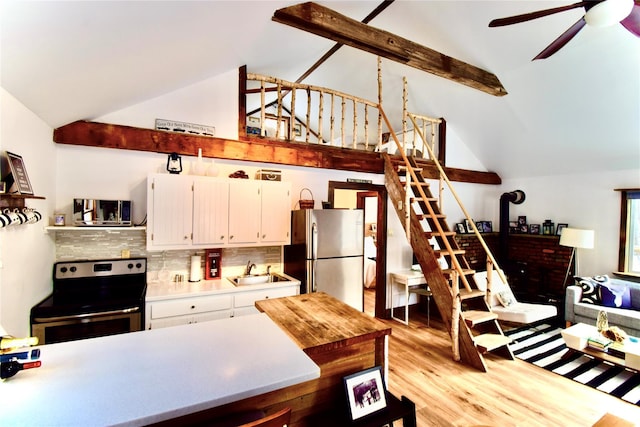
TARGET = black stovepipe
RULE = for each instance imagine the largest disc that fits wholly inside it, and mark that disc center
(516, 197)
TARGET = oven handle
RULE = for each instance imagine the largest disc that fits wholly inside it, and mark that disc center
(81, 316)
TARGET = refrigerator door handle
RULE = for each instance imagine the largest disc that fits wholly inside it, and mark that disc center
(314, 251)
(314, 241)
(314, 286)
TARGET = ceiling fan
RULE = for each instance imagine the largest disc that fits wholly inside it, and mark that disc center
(598, 13)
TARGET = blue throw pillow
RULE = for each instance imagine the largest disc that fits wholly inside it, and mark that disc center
(613, 295)
(590, 291)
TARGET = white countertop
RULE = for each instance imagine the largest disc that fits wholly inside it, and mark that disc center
(157, 290)
(150, 376)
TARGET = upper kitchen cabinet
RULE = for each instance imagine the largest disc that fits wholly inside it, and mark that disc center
(201, 212)
(169, 211)
(276, 213)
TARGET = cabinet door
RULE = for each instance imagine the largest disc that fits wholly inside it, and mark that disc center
(210, 212)
(244, 211)
(169, 212)
(275, 221)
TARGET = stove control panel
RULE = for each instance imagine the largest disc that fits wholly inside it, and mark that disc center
(112, 267)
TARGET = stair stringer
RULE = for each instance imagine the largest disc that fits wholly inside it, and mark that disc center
(426, 256)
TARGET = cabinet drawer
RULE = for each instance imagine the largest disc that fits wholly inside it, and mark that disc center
(247, 299)
(184, 306)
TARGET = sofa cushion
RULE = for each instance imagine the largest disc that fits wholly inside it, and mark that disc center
(506, 298)
(590, 289)
(613, 295)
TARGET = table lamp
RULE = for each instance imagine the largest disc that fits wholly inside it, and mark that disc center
(575, 238)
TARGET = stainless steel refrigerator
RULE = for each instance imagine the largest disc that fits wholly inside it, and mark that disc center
(327, 253)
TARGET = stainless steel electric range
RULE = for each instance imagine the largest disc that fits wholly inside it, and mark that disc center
(92, 298)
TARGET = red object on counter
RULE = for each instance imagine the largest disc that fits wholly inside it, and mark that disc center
(213, 264)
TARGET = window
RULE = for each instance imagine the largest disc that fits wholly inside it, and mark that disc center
(629, 258)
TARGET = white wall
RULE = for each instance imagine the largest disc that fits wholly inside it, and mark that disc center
(26, 252)
(586, 201)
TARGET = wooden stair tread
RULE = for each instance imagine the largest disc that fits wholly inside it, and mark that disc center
(422, 199)
(465, 271)
(490, 342)
(444, 252)
(468, 294)
(475, 317)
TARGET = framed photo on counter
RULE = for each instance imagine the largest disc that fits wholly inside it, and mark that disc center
(365, 392)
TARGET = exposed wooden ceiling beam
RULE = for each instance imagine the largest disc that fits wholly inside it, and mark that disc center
(263, 150)
(330, 24)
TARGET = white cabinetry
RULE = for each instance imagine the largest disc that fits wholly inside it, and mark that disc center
(202, 308)
(201, 212)
(210, 212)
(182, 311)
(275, 219)
(169, 211)
(244, 211)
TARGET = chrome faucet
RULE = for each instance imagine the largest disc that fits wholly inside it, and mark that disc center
(249, 268)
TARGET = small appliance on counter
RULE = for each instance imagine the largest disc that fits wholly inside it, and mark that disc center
(98, 212)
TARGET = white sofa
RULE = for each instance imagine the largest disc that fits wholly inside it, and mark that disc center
(584, 301)
(507, 307)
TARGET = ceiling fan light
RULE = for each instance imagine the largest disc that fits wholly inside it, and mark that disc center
(608, 12)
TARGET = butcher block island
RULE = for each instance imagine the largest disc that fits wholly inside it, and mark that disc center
(338, 338)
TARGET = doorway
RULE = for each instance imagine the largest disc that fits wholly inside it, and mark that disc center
(364, 191)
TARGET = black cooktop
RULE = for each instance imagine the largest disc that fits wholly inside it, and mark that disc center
(94, 286)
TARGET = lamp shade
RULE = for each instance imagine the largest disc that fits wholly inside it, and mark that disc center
(577, 238)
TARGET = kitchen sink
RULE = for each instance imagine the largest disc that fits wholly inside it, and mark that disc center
(256, 279)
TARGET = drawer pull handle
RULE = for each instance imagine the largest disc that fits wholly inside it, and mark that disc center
(192, 307)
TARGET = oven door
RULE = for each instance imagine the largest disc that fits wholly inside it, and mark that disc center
(91, 325)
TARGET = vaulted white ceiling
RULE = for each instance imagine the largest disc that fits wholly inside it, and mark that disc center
(577, 110)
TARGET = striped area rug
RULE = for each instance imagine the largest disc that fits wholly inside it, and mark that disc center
(543, 346)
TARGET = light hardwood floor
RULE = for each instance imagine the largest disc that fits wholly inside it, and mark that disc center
(511, 393)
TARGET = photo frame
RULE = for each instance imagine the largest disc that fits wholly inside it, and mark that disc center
(59, 219)
(479, 226)
(522, 220)
(468, 226)
(534, 229)
(560, 227)
(460, 228)
(487, 227)
(365, 392)
(18, 174)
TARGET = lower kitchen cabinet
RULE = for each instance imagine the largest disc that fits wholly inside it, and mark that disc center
(203, 308)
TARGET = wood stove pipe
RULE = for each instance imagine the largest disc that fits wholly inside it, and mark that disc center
(516, 197)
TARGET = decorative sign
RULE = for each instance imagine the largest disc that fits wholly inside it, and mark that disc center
(182, 127)
(360, 181)
(19, 175)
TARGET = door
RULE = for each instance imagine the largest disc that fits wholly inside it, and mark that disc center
(337, 233)
(244, 211)
(210, 211)
(275, 213)
(340, 278)
(169, 208)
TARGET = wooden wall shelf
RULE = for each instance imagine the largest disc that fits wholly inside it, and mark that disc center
(13, 201)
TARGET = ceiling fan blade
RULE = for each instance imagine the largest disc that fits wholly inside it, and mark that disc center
(562, 40)
(632, 22)
(534, 15)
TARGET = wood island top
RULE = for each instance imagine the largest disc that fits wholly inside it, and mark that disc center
(318, 322)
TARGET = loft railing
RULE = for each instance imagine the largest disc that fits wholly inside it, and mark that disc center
(317, 115)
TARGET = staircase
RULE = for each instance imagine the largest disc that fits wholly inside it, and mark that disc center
(473, 327)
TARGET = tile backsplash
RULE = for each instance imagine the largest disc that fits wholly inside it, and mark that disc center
(105, 244)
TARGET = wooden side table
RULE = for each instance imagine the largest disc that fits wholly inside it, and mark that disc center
(413, 282)
(397, 409)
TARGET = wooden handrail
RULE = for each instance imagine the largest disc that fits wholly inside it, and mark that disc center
(443, 176)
